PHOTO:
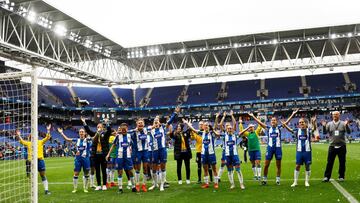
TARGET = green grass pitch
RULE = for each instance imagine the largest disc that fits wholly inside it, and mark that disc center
(60, 173)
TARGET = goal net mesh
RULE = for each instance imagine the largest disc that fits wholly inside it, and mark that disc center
(16, 180)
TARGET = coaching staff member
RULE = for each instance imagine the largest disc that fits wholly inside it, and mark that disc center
(99, 150)
(336, 130)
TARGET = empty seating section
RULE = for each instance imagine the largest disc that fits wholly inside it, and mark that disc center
(62, 93)
(126, 95)
(140, 94)
(165, 96)
(329, 84)
(96, 96)
(203, 93)
(355, 78)
(242, 90)
(15, 90)
(283, 87)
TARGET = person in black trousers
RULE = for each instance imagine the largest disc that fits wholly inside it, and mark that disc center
(182, 150)
(99, 150)
(336, 130)
(244, 145)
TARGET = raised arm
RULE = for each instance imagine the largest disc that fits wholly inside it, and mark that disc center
(222, 121)
(313, 123)
(86, 127)
(216, 124)
(257, 120)
(241, 128)
(287, 127)
(292, 115)
(108, 128)
(18, 135)
(324, 126)
(233, 119)
(60, 130)
(347, 127)
(48, 136)
(189, 125)
(172, 117)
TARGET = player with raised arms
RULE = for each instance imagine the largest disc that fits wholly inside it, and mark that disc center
(40, 152)
(274, 147)
(140, 145)
(82, 157)
(208, 156)
(221, 127)
(230, 151)
(303, 135)
(123, 143)
(254, 146)
(159, 153)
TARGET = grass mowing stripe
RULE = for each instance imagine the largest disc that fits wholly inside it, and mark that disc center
(344, 192)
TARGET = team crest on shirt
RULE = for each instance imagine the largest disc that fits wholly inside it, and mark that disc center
(206, 141)
(158, 135)
(230, 143)
(142, 137)
(124, 144)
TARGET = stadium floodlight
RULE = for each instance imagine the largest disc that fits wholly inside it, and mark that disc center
(60, 30)
(88, 43)
(236, 45)
(31, 16)
(182, 51)
(349, 34)
(275, 41)
(107, 52)
(333, 36)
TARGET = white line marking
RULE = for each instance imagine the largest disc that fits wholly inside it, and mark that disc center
(344, 192)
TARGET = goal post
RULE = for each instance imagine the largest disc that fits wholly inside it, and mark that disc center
(18, 112)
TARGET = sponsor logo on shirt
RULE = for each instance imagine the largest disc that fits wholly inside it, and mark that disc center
(142, 137)
(230, 143)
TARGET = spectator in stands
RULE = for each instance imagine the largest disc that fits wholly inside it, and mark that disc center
(336, 130)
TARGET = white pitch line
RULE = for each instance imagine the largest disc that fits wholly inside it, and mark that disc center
(344, 192)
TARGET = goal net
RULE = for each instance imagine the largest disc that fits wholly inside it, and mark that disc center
(18, 113)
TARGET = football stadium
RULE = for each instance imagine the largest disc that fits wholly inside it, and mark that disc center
(179, 101)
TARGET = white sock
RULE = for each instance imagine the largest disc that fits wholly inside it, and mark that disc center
(75, 181)
(91, 180)
(216, 179)
(112, 174)
(163, 177)
(307, 175)
(108, 171)
(46, 184)
(155, 178)
(158, 175)
(254, 171)
(231, 177)
(259, 171)
(120, 182)
(206, 179)
(85, 181)
(221, 171)
(137, 178)
(132, 180)
(296, 175)
(240, 177)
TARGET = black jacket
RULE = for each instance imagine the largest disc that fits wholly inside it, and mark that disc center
(177, 144)
(104, 138)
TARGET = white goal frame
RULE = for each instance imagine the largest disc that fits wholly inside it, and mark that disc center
(34, 126)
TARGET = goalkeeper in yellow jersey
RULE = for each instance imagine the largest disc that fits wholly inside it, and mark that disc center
(41, 162)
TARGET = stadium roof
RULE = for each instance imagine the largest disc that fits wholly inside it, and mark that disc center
(69, 50)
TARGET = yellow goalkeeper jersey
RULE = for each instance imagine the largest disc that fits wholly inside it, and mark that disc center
(41, 143)
(198, 140)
